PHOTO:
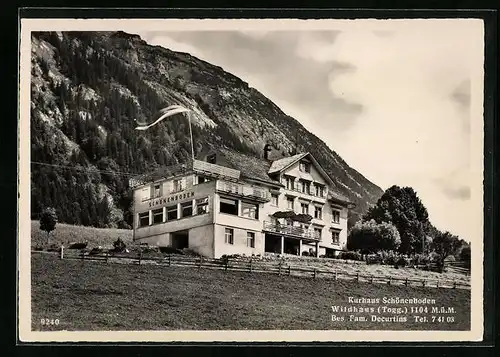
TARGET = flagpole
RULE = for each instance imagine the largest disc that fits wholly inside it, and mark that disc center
(191, 135)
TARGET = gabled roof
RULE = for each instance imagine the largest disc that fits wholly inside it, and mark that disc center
(337, 197)
(250, 166)
(282, 164)
(285, 162)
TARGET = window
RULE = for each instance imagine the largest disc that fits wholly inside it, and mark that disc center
(251, 239)
(228, 206)
(335, 237)
(187, 209)
(171, 213)
(202, 205)
(178, 185)
(317, 233)
(274, 199)
(318, 212)
(158, 216)
(144, 219)
(229, 236)
(306, 187)
(335, 216)
(202, 179)
(305, 208)
(211, 159)
(157, 190)
(305, 167)
(319, 190)
(289, 183)
(249, 210)
(289, 203)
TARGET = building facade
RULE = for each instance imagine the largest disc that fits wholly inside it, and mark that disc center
(228, 203)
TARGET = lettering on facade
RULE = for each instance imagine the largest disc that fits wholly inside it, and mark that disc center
(172, 198)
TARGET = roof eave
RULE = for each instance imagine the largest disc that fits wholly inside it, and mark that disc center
(290, 164)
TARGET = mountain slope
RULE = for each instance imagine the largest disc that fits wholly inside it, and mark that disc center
(87, 89)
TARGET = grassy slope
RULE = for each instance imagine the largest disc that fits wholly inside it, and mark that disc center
(99, 296)
(65, 233)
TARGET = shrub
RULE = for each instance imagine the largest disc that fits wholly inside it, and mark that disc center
(119, 245)
(351, 255)
(150, 249)
(170, 250)
(420, 259)
(54, 248)
(191, 252)
(373, 259)
(401, 262)
(371, 236)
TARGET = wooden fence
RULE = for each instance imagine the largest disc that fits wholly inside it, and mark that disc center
(255, 266)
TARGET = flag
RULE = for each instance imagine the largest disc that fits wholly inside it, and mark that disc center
(164, 113)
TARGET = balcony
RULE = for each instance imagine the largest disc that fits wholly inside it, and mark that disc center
(243, 191)
(214, 170)
(297, 232)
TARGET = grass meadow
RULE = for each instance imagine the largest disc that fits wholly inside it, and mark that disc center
(86, 295)
(66, 233)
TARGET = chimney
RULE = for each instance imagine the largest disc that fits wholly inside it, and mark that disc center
(267, 149)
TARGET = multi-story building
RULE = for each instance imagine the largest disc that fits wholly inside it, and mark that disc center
(225, 202)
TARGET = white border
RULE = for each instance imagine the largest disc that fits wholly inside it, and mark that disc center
(24, 228)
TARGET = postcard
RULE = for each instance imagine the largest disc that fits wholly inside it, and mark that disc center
(198, 180)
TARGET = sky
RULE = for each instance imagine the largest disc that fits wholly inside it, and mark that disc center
(395, 103)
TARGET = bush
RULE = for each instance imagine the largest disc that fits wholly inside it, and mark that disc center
(420, 259)
(170, 250)
(150, 249)
(54, 248)
(351, 255)
(373, 259)
(191, 252)
(401, 262)
(119, 245)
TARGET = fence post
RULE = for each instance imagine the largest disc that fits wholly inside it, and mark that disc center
(314, 273)
(250, 265)
(169, 259)
(357, 276)
(454, 284)
(106, 255)
(371, 279)
(336, 277)
(423, 283)
(140, 256)
(390, 280)
(406, 282)
(279, 268)
(62, 251)
(437, 284)
(201, 262)
(289, 270)
(226, 261)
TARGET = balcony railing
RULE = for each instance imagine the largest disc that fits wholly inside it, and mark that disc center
(310, 192)
(242, 190)
(291, 231)
(215, 170)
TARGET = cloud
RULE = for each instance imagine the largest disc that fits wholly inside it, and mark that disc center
(278, 64)
(460, 193)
